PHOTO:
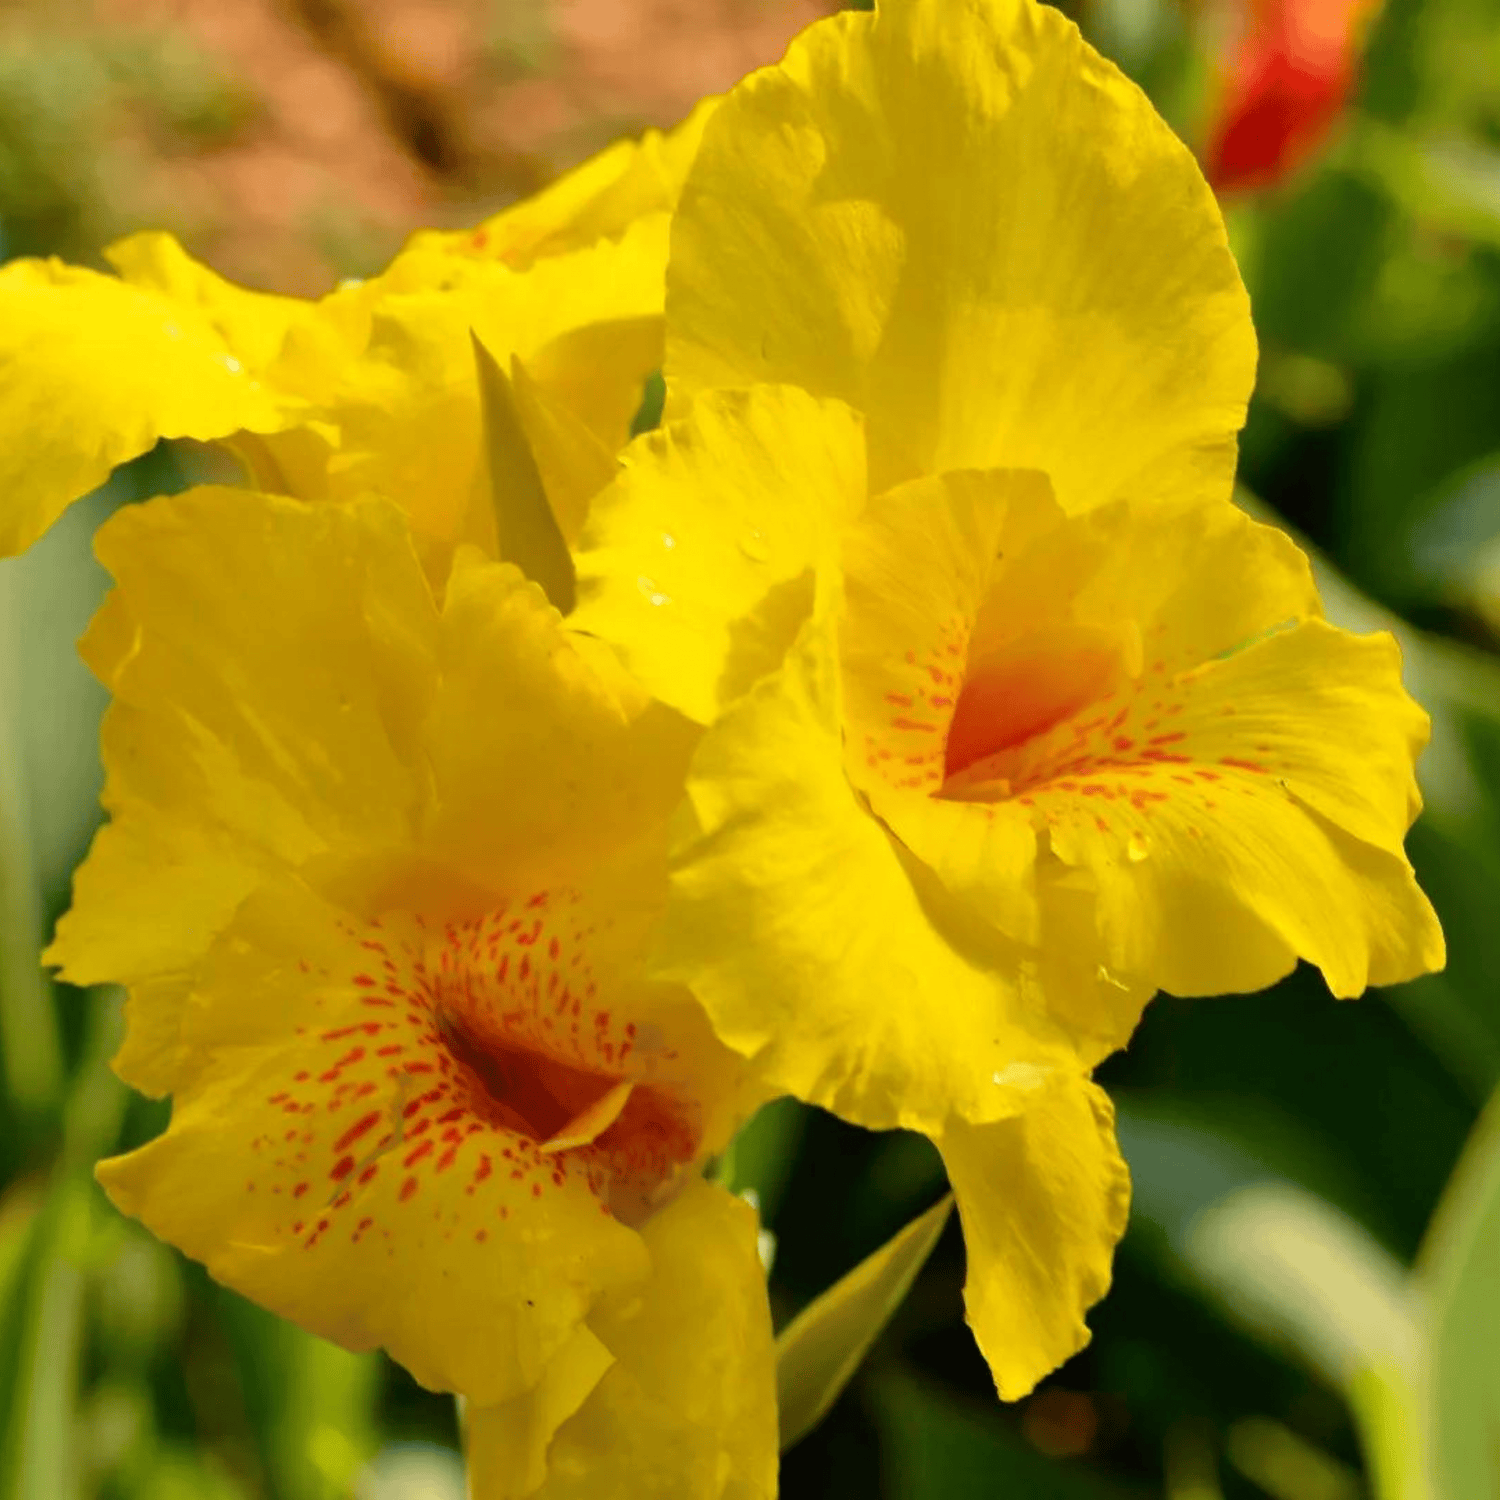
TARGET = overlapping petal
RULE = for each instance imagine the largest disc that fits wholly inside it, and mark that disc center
(595, 201)
(524, 702)
(824, 951)
(962, 221)
(662, 1420)
(697, 561)
(385, 372)
(95, 371)
(1128, 725)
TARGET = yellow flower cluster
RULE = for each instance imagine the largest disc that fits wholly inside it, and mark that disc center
(503, 806)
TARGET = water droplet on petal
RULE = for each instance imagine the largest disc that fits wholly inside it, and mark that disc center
(668, 540)
(1137, 848)
(653, 594)
(231, 364)
(1020, 1075)
(753, 544)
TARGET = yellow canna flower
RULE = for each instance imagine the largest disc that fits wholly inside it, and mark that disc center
(1013, 718)
(339, 398)
(382, 863)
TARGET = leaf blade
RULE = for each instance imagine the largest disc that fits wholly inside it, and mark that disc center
(818, 1352)
(526, 527)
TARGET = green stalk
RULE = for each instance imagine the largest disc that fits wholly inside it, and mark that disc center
(38, 1441)
(29, 1039)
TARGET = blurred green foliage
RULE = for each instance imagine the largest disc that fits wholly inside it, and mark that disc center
(1289, 1153)
(72, 112)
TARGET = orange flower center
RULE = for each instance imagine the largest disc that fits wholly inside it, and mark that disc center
(1019, 689)
(531, 1049)
(489, 1059)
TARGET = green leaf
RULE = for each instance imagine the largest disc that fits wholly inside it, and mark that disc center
(29, 1043)
(653, 402)
(1459, 1270)
(310, 1404)
(526, 529)
(820, 1349)
(1286, 1465)
(1302, 1274)
(1294, 1270)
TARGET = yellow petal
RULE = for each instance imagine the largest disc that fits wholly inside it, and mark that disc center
(821, 949)
(917, 565)
(587, 324)
(544, 754)
(597, 200)
(598, 370)
(688, 1409)
(508, 1443)
(253, 324)
(153, 1056)
(1043, 1198)
(1238, 831)
(694, 562)
(95, 371)
(958, 218)
(592, 1121)
(330, 1144)
(235, 746)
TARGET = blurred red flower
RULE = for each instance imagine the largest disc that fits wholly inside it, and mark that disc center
(1287, 81)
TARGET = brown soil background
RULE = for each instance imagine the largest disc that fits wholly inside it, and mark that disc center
(292, 142)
